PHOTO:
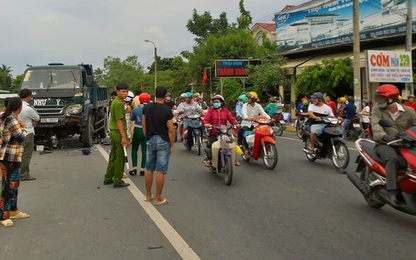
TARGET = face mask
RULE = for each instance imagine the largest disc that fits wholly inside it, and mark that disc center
(216, 105)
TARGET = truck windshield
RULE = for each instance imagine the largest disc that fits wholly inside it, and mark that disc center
(51, 79)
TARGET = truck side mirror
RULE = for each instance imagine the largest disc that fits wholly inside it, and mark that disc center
(88, 81)
(8, 82)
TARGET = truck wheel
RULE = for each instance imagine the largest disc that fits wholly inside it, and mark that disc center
(103, 132)
(87, 137)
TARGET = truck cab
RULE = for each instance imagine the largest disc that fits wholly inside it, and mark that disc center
(69, 102)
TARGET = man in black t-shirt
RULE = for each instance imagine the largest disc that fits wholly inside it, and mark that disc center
(158, 128)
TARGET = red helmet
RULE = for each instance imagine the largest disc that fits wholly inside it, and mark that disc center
(386, 94)
(144, 98)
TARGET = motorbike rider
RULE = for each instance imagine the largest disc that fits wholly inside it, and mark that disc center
(402, 117)
(238, 107)
(188, 107)
(217, 115)
(250, 110)
(169, 102)
(316, 111)
(350, 111)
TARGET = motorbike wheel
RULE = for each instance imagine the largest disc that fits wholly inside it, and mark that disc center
(277, 128)
(228, 170)
(343, 156)
(371, 199)
(299, 130)
(311, 157)
(198, 144)
(270, 159)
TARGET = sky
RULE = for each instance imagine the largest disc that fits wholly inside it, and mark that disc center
(39, 32)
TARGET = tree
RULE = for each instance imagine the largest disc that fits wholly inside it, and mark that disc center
(6, 69)
(269, 74)
(325, 77)
(128, 71)
(99, 75)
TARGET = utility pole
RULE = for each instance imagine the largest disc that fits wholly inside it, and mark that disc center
(409, 86)
(356, 51)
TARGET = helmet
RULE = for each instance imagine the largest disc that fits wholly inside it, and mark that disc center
(183, 95)
(168, 94)
(399, 98)
(129, 97)
(243, 98)
(144, 98)
(218, 97)
(350, 99)
(305, 102)
(272, 99)
(252, 94)
(343, 99)
(386, 94)
(188, 95)
(318, 95)
(196, 94)
(411, 96)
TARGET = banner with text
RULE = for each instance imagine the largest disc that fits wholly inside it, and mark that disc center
(389, 66)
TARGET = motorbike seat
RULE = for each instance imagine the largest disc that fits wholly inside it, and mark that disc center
(368, 147)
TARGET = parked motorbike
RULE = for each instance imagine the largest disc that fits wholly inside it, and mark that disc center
(261, 143)
(372, 180)
(328, 145)
(223, 154)
(195, 127)
(353, 129)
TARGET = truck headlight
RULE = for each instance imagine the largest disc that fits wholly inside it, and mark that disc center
(73, 109)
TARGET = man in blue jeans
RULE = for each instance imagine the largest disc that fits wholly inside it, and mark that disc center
(158, 128)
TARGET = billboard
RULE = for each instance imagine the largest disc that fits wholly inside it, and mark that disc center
(389, 66)
(320, 24)
(233, 68)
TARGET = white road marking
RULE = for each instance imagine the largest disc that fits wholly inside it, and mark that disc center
(183, 249)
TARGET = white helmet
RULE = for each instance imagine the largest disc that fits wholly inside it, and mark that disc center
(129, 97)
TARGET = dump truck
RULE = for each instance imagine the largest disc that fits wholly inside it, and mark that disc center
(69, 101)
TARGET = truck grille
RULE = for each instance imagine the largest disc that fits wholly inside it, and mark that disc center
(49, 110)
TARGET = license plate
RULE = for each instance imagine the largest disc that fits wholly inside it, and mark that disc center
(356, 125)
(49, 120)
(282, 122)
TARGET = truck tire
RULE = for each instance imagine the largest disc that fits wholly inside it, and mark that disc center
(103, 132)
(87, 135)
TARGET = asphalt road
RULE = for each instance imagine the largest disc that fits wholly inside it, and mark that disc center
(300, 210)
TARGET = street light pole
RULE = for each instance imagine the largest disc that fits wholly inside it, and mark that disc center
(155, 61)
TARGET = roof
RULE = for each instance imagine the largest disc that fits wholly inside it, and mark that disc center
(271, 27)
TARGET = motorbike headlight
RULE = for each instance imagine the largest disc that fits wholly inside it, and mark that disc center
(333, 120)
(263, 121)
(73, 109)
(223, 129)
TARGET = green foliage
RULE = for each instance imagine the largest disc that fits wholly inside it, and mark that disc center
(325, 77)
(268, 74)
(16, 83)
(128, 71)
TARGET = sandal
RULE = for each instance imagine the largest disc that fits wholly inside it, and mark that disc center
(7, 223)
(18, 214)
(133, 172)
(141, 172)
(125, 176)
(237, 163)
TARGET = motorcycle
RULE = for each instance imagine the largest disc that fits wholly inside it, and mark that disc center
(223, 154)
(301, 124)
(367, 134)
(262, 143)
(328, 145)
(372, 180)
(353, 129)
(278, 124)
(195, 127)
